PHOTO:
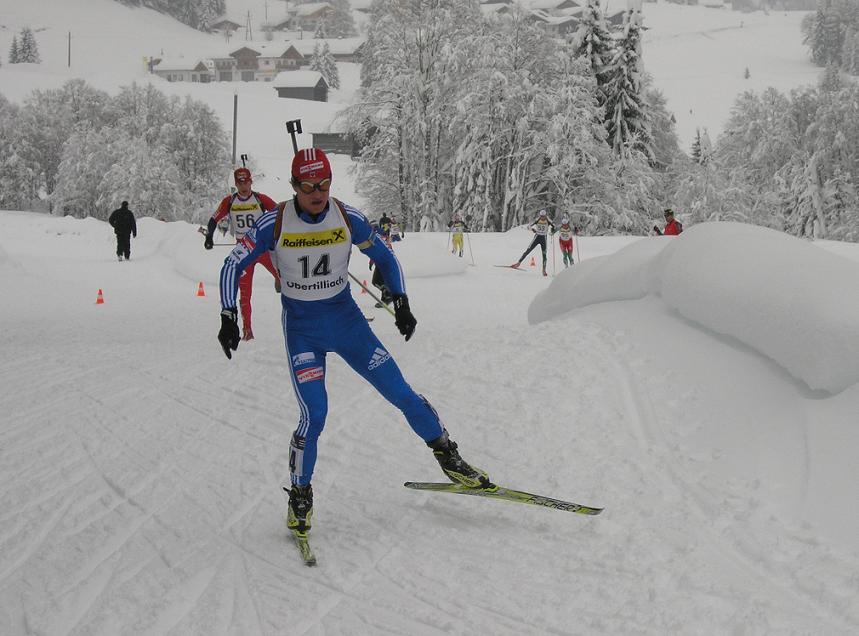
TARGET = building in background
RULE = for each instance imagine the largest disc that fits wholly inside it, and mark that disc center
(301, 85)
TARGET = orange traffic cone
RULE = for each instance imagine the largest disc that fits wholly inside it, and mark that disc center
(200, 290)
(532, 263)
(99, 300)
(363, 290)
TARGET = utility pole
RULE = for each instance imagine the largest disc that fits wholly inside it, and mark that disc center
(235, 119)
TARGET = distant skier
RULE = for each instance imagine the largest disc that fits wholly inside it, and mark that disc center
(540, 228)
(241, 209)
(124, 226)
(311, 238)
(565, 234)
(673, 227)
(457, 226)
(384, 226)
(394, 232)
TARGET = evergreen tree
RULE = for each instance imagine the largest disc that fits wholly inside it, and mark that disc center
(850, 52)
(323, 61)
(13, 51)
(593, 41)
(626, 116)
(341, 24)
(28, 50)
(696, 146)
(321, 30)
(830, 81)
(826, 30)
(666, 147)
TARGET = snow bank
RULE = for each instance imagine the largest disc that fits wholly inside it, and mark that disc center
(759, 286)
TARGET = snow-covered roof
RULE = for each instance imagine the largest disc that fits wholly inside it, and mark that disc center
(297, 79)
(546, 18)
(338, 46)
(310, 8)
(549, 5)
(267, 49)
(178, 63)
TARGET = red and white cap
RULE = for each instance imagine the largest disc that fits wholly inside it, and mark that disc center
(310, 163)
(241, 175)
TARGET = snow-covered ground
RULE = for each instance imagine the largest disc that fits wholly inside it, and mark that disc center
(667, 379)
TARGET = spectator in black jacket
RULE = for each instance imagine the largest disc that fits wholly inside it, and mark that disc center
(123, 223)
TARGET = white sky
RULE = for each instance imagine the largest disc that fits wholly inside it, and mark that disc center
(702, 388)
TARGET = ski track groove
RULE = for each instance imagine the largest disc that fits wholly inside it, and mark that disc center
(640, 409)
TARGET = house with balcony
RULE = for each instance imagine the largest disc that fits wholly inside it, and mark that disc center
(256, 63)
(305, 17)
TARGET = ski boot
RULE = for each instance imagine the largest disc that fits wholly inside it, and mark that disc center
(456, 468)
(516, 264)
(300, 508)
(248, 334)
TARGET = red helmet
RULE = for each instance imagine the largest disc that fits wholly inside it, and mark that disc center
(242, 175)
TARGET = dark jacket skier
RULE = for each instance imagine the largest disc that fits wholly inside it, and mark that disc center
(123, 224)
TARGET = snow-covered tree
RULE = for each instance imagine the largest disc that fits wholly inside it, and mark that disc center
(627, 119)
(850, 51)
(696, 146)
(145, 176)
(18, 184)
(199, 149)
(825, 30)
(341, 24)
(593, 40)
(28, 50)
(323, 61)
(87, 156)
(666, 147)
(13, 50)
(321, 31)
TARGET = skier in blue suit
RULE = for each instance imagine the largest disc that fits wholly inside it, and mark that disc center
(310, 239)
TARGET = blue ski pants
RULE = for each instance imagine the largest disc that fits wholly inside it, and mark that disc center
(345, 332)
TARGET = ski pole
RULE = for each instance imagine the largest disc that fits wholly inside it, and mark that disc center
(448, 241)
(468, 238)
(578, 254)
(554, 271)
(376, 298)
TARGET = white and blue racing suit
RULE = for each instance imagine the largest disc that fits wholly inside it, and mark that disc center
(320, 316)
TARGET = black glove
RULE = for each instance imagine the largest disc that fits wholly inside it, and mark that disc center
(210, 232)
(228, 336)
(657, 230)
(404, 319)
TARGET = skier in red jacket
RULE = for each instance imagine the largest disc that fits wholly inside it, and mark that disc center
(243, 208)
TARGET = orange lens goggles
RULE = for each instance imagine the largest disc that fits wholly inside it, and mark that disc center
(307, 187)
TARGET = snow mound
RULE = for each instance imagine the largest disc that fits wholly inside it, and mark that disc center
(757, 285)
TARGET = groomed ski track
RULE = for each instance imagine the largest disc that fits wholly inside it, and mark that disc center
(141, 470)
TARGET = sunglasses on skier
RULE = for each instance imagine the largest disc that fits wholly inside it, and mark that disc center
(307, 187)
